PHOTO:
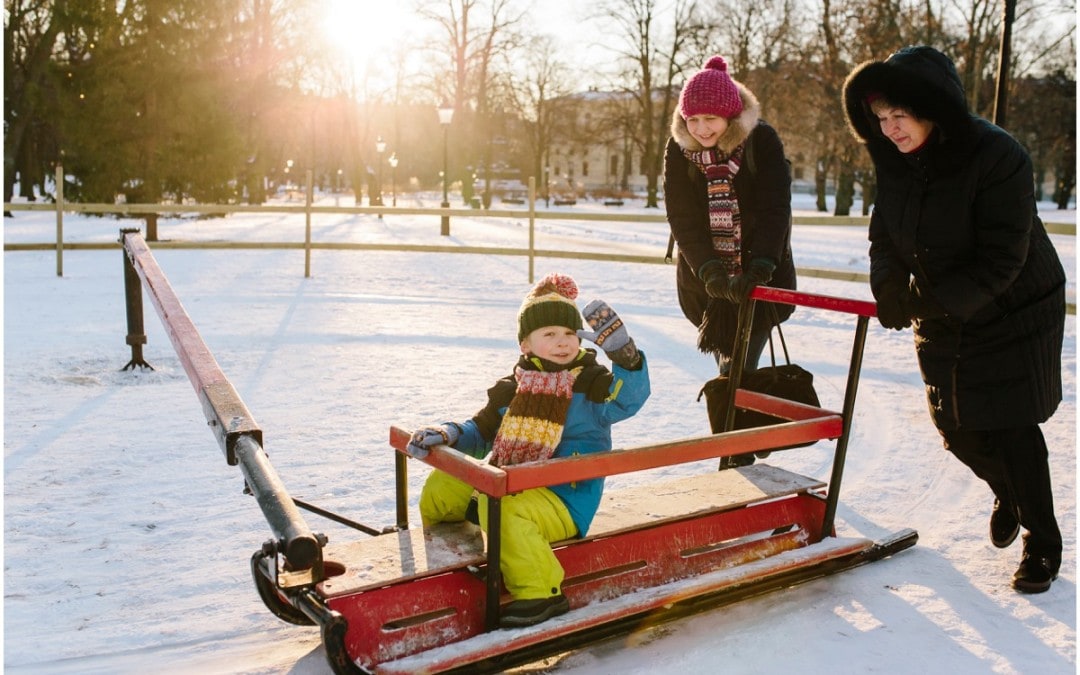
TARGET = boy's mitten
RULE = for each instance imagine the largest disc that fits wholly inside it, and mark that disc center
(609, 334)
(423, 438)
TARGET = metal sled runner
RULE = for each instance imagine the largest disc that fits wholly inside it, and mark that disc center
(406, 600)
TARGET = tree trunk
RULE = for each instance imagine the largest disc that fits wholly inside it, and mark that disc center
(845, 192)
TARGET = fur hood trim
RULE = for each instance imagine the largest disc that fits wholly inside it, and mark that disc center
(920, 78)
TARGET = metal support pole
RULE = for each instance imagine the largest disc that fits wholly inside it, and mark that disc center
(494, 575)
(738, 358)
(445, 229)
(136, 335)
(401, 491)
(833, 499)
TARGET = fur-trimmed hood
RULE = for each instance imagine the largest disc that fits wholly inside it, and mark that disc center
(920, 78)
(738, 130)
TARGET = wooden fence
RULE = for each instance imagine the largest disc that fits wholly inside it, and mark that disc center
(530, 213)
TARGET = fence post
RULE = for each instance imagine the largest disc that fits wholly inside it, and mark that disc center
(307, 226)
(59, 220)
(532, 228)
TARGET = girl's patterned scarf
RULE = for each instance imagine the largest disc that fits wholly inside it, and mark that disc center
(533, 423)
(725, 224)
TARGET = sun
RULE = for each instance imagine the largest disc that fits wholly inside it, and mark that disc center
(367, 30)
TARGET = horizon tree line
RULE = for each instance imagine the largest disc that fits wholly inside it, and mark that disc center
(212, 101)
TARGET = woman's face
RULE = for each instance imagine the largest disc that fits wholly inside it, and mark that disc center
(907, 132)
(557, 344)
(706, 129)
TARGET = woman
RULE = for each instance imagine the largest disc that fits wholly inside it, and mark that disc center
(727, 190)
(958, 252)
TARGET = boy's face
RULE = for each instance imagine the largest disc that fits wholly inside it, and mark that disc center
(557, 344)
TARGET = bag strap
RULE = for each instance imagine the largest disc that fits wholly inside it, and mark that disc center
(780, 333)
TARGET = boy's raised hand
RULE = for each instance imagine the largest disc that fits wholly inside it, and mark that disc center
(609, 334)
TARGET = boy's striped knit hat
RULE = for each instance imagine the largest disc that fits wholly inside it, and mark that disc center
(550, 303)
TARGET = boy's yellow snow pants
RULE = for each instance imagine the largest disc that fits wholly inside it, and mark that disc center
(531, 520)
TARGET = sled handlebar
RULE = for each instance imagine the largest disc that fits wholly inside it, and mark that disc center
(803, 299)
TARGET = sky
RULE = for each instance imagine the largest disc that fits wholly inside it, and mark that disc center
(127, 537)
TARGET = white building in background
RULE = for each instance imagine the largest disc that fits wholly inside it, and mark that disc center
(593, 148)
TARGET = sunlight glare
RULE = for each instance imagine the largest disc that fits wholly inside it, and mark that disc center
(367, 30)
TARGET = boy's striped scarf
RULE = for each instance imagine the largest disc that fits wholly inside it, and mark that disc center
(533, 423)
(725, 223)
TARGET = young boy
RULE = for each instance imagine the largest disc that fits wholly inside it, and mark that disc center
(559, 402)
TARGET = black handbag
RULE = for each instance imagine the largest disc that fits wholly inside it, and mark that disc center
(786, 380)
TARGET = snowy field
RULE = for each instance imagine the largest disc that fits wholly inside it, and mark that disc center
(127, 537)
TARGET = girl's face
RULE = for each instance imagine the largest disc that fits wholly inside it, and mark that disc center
(706, 129)
(907, 132)
(557, 344)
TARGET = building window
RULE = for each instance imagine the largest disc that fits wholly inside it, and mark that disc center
(613, 166)
(585, 168)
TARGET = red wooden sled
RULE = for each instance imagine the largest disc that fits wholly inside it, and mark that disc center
(413, 601)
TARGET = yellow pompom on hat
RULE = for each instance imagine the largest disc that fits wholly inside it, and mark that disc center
(550, 303)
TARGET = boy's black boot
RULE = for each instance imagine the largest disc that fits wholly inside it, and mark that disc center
(521, 613)
(1004, 526)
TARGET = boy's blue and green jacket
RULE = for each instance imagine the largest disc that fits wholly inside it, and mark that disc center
(601, 398)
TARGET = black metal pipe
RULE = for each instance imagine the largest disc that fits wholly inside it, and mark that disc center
(494, 554)
(840, 456)
(298, 544)
(330, 515)
(401, 490)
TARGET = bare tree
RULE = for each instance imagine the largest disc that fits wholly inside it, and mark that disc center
(654, 65)
(30, 35)
(477, 34)
(539, 90)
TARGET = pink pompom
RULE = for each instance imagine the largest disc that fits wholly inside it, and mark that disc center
(559, 283)
(717, 63)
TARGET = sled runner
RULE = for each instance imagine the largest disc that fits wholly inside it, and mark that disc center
(410, 600)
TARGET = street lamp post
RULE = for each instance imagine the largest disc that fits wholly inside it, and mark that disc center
(375, 198)
(393, 178)
(446, 115)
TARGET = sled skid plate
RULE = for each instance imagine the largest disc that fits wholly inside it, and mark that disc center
(494, 651)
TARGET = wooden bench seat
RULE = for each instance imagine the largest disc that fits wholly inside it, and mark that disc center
(415, 552)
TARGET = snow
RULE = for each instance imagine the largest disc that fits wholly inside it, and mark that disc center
(127, 537)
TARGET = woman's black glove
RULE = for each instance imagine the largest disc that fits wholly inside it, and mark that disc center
(894, 306)
(715, 280)
(758, 272)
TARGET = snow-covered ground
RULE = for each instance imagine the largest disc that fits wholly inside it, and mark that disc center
(127, 537)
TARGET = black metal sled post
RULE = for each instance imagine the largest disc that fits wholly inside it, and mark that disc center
(863, 310)
(237, 433)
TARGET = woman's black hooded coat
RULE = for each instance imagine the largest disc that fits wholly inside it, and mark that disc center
(957, 220)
